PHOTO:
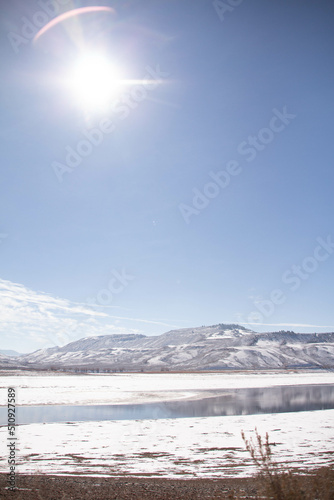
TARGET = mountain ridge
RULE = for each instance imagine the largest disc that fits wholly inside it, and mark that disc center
(215, 347)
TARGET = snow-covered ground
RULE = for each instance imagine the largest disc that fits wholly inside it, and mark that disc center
(123, 388)
(199, 447)
(186, 447)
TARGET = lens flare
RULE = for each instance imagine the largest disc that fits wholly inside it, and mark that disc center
(68, 15)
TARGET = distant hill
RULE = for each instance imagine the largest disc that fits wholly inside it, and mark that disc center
(10, 353)
(214, 347)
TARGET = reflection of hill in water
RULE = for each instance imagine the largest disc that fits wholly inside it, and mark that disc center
(263, 400)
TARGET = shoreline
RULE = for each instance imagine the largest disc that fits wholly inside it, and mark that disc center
(131, 487)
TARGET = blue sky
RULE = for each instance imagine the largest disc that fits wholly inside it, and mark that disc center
(139, 237)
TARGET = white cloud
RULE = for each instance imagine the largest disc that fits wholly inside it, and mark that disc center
(41, 320)
(32, 320)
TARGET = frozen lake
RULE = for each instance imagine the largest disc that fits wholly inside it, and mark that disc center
(133, 424)
(249, 401)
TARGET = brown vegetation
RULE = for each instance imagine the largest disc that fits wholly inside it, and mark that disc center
(279, 483)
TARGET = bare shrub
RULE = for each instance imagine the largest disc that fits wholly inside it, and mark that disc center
(279, 483)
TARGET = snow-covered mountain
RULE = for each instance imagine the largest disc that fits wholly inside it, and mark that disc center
(204, 348)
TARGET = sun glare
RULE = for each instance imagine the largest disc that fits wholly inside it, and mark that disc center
(95, 82)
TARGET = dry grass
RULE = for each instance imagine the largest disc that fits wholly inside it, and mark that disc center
(279, 483)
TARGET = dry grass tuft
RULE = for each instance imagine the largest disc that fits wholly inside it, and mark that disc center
(279, 483)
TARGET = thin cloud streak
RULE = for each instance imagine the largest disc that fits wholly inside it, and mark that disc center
(29, 316)
(14, 292)
(300, 325)
(152, 322)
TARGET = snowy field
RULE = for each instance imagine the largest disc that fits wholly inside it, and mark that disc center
(125, 388)
(186, 447)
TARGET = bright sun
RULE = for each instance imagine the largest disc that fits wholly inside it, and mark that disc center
(95, 82)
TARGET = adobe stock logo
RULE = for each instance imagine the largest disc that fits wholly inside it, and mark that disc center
(201, 199)
(118, 282)
(116, 285)
(293, 279)
(223, 8)
(257, 143)
(30, 27)
(249, 148)
(74, 155)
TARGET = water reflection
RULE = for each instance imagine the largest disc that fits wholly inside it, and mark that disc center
(231, 402)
